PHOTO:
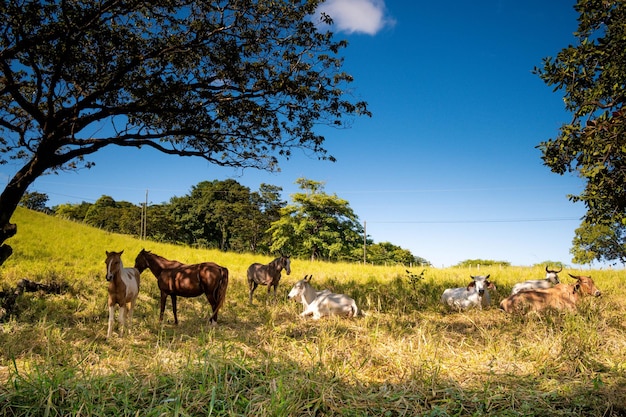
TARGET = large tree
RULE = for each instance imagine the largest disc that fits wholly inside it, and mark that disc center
(237, 82)
(592, 75)
(316, 225)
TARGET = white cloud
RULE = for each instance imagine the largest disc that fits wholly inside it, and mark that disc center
(357, 16)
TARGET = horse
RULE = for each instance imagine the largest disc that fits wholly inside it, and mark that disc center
(267, 274)
(177, 279)
(123, 290)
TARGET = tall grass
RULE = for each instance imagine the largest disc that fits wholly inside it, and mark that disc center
(407, 356)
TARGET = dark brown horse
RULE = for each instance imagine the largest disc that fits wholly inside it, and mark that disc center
(175, 278)
(267, 274)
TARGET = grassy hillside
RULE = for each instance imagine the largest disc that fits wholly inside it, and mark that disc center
(407, 356)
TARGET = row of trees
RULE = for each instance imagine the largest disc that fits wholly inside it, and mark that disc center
(229, 216)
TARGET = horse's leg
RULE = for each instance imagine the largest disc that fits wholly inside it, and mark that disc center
(214, 305)
(129, 316)
(111, 319)
(174, 309)
(163, 302)
(122, 319)
(269, 292)
(253, 286)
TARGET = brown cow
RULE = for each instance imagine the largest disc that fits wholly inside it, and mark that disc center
(559, 297)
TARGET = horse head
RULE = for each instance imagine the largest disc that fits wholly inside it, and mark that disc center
(114, 264)
(141, 261)
(286, 263)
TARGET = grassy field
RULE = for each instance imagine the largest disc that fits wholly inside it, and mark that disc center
(407, 356)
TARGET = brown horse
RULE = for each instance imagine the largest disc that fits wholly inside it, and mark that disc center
(123, 290)
(175, 278)
(267, 274)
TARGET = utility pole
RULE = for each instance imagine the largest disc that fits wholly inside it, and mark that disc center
(364, 242)
(144, 219)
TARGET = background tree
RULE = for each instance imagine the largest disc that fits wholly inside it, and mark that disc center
(104, 214)
(592, 75)
(237, 83)
(76, 212)
(34, 201)
(216, 214)
(267, 203)
(598, 242)
(317, 225)
(386, 253)
(160, 225)
(473, 263)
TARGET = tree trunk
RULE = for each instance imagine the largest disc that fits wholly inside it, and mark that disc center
(10, 198)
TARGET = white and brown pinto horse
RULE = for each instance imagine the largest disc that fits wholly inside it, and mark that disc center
(267, 274)
(177, 279)
(123, 290)
(322, 303)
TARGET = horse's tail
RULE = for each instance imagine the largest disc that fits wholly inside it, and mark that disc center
(219, 293)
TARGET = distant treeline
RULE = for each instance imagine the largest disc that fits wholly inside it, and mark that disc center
(228, 216)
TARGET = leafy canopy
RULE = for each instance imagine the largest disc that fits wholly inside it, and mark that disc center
(592, 75)
(237, 82)
(317, 225)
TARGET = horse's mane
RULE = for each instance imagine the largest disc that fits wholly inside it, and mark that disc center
(278, 260)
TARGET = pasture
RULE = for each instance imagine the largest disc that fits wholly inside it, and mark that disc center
(407, 356)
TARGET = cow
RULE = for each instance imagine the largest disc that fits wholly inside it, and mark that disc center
(476, 294)
(552, 278)
(323, 303)
(560, 297)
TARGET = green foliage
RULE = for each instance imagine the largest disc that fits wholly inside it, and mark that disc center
(34, 201)
(226, 215)
(469, 263)
(316, 225)
(598, 242)
(592, 75)
(550, 264)
(386, 253)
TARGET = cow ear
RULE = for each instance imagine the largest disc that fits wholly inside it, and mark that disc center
(471, 285)
(576, 287)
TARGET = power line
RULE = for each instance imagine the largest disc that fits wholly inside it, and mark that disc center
(555, 219)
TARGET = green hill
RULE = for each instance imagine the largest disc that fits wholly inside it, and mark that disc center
(407, 356)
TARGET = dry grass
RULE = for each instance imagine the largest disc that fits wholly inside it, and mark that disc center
(407, 356)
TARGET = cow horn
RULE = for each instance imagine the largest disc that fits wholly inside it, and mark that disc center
(573, 276)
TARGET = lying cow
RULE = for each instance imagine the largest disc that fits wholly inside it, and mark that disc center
(559, 297)
(321, 303)
(476, 294)
(552, 278)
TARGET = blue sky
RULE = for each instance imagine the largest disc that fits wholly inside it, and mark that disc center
(446, 167)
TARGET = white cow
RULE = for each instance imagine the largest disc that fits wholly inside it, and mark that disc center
(476, 294)
(552, 278)
(321, 303)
